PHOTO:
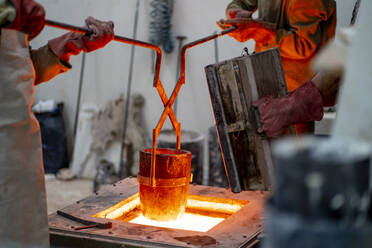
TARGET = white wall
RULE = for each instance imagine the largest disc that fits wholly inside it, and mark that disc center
(344, 12)
(106, 72)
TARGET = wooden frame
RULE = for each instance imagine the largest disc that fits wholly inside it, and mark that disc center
(233, 86)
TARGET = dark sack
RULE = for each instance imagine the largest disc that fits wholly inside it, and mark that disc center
(54, 140)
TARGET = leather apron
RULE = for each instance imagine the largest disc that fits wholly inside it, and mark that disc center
(23, 214)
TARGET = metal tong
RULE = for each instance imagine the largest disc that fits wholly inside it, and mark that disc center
(167, 102)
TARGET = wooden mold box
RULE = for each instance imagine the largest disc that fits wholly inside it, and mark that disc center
(233, 86)
(239, 228)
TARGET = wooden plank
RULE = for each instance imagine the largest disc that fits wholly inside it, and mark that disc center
(233, 86)
(236, 230)
(221, 123)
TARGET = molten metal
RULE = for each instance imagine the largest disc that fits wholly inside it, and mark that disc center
(189, 222)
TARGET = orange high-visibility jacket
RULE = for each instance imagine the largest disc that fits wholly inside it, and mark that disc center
(303, 27)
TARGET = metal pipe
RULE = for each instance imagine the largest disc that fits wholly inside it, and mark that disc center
(129, 90)
(180, 45)
(355, 12)
(216, 54)
(78, 101)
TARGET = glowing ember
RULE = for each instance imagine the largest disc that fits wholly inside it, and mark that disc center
(189, 222)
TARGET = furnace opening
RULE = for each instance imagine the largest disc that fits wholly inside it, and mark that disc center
(202, 213)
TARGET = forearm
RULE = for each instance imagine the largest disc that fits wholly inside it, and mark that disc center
(250, 5)
(7, 12)
(328, 84)
(47, 65)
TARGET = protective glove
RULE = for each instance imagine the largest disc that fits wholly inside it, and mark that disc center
(73, 43)
(238, 14)
(262, 32)
(30, 17)
(304, 104)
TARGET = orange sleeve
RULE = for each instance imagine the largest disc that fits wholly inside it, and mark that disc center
(47, 65)
(305, 33)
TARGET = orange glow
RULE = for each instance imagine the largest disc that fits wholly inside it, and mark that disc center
(121, 208)
(214, 204)
(189, 222)
(202, 213)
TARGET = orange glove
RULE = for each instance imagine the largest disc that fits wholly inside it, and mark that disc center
(261, 32)
(30, 17)
(73, 43)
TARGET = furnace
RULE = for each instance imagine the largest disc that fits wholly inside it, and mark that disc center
(214, 217)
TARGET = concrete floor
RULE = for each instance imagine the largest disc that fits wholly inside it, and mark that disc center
(63, 193)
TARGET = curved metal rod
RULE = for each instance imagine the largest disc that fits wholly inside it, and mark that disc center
(168, 104)
(157, 83)
(117, 38)
(196, 43)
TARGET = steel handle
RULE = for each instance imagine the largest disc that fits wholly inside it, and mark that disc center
(121, 39)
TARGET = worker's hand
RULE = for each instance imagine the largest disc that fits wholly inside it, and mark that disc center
(30, 17)
(273, 115)
(73, 43)
(103, 33)
(238, 14)
(262, 32)
(305, 104)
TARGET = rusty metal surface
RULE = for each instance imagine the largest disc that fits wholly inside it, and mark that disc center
(190, 141)
(236, 231)
(167, 200)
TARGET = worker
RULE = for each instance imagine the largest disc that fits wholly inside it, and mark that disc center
(302, 27)
(23, 211)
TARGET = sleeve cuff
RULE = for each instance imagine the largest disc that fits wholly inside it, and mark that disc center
(47, 65)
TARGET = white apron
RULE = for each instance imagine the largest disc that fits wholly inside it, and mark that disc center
(23, 215)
